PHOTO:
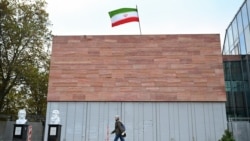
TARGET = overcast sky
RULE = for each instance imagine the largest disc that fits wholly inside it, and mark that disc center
(90, 17)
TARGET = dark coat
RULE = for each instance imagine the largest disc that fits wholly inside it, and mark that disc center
(118, 128)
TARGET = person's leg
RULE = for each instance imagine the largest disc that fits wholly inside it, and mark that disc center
(121, 138)
(116, 138)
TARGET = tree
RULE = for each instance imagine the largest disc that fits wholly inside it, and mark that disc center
(37, 86)
(32, 95)
(24, 34)
(228, 136)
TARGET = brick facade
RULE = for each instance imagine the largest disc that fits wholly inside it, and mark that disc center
(136, 68)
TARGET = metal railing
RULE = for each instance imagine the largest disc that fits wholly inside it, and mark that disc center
(240, 127)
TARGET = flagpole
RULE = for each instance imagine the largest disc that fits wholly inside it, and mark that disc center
(139, 19)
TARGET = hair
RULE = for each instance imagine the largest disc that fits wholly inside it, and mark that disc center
(117, 117)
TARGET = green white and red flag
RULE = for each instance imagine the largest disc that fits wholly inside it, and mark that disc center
(123, 15)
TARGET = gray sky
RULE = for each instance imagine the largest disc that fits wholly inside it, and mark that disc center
(90, 17)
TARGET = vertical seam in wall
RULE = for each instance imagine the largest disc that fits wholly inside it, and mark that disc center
(223, 114)
(188, 113)
(209, 119)
(173, 118)
(134, 120)
(203, 106)
(143, 121)
(213, 120)
(107, 126)
(66, 120)
(123, 111)
(82, 120)
(120, 110)
(98, 130)
(179, 129)
(192, 130)
(86, 119)
(74, 121)
(169, 128)
(195, 121)
(156, 121)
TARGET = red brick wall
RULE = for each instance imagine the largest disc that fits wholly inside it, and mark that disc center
(136, 68)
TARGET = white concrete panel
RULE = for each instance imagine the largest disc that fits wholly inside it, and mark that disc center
(210, 114)
(92, 122)
(155, 121)
(164, 122)
(199, 122)
(220, 111)
(70, 122)
(148, 115)
(172, 123)
(190, 122)
(176, 121)
(147, 121)
(207, 127)
(183, 122)
(138, 123)
(78, 122)
(128, 118)
(84, 121)
(103, 123)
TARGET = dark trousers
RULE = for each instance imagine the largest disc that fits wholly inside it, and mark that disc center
(119, 136)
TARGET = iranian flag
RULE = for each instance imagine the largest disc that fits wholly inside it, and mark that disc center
(123, 15)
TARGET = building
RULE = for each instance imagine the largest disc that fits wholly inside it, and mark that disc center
(164, 87)
(236, 51)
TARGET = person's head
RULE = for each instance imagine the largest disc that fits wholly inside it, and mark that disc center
(22, 114)
(117, 117)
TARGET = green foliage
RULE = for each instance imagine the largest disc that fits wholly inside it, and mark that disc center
(227, 136)
(37, 90)
(24, 40)
(31, 96)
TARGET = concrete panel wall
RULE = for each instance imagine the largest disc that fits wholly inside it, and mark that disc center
(145, 121)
